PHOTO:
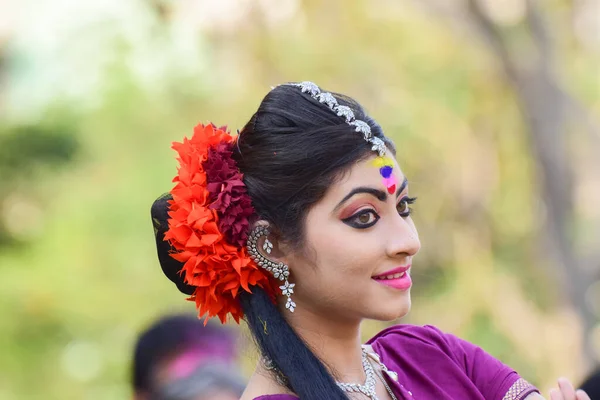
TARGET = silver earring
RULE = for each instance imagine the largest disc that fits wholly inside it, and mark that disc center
(268, 246)
(279, 270)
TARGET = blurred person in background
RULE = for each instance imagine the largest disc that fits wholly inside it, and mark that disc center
(178, 358)
(591, 385)
(301, 225)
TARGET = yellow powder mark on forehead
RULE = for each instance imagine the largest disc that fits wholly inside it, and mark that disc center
(383, 162)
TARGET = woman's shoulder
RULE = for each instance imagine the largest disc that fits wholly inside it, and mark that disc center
(426, 350)
(418, 342)
(425, 335)
(276, 397)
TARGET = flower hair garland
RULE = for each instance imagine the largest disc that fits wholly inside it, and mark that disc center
(208, 224)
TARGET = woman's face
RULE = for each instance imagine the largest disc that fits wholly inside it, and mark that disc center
(359, 244)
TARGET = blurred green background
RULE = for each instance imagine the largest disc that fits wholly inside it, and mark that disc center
(493, 105)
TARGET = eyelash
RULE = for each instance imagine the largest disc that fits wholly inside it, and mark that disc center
(353, 220)
(408, 201)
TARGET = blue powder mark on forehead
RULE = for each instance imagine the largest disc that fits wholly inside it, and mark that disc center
(386, 171)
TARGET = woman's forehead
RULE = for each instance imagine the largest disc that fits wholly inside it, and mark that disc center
(366, 172)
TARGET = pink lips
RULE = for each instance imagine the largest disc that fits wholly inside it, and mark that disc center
(402, 283)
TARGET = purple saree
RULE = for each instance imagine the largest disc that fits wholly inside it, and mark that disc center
(433, 365)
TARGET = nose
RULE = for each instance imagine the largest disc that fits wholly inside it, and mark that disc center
(403, 239)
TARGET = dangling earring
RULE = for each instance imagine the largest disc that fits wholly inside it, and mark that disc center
(279, 270)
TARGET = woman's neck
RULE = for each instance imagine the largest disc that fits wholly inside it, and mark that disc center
(335, 341)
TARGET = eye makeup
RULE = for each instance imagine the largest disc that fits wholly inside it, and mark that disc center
(363, 215)
(403, 206)
(363, 219)
(356, 206)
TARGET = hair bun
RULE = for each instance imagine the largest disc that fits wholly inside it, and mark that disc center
(171, 267)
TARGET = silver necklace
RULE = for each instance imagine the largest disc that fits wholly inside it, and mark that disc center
(368, 388)
(389, 390)
(382, 368)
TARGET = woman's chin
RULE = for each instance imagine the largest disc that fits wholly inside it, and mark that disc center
(393, 311)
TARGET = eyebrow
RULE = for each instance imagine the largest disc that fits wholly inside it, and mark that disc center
(378, 194)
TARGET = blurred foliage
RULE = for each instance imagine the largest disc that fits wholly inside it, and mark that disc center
(73, 299)
(25, 147)
(28, 153)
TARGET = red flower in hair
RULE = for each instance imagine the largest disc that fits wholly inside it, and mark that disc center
(208, 224)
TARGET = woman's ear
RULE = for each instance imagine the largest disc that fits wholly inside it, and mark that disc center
(268, 242)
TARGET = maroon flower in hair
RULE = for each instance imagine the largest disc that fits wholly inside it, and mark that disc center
(227, 194)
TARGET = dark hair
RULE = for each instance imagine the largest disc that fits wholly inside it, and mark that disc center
(290, 152)
(292, 149)
(592, 385)
(170, 336)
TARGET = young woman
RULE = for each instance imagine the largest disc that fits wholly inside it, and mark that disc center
(301, 226)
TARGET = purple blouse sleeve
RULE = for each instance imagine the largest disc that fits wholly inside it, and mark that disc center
(494, 379)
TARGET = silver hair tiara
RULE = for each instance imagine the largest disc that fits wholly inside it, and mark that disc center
(343, 111)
